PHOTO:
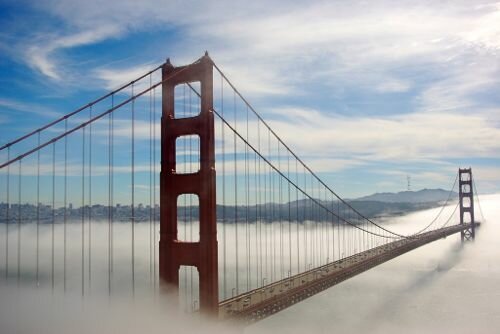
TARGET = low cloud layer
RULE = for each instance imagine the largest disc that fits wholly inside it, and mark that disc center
(424, 290)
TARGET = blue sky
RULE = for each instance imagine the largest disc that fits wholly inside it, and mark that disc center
(367, 92)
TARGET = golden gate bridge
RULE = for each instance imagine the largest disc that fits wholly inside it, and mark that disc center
(236, 224)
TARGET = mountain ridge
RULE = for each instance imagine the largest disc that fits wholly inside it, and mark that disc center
(420, 196)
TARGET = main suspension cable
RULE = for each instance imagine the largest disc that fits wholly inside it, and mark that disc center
(295, 185)
(442, 208)
(295, 156)
(95, 118)
(82, 108)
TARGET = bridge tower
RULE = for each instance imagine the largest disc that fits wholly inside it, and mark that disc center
(174, 253)
(466, 198)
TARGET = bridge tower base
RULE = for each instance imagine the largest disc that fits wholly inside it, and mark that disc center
(466, 198)
(174, 253)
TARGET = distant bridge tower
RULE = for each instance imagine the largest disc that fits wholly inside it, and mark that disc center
(466, 197)
(174, 252)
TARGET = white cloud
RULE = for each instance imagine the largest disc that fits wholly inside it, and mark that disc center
(276, 48)
(356, 44)
(116, 77)
(10, 104)
(486, 34)
(443, 55)
(393, 86)
(382, 47)
(407, 137)
(42, 54)
(458, 89)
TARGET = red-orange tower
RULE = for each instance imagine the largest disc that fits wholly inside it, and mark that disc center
(466, 198)
(173, 252)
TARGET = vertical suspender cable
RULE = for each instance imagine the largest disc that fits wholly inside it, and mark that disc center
(110, 198)
(312, 239)
(151, 189)
(272, 200)
(321, 228)
(314, 225)
(312, 233)
(349, 234)
(38, 214)
(236, 196)
(7, 220)
(338, 229)
(322, 247)
(272, 205)
(364, 235)
(319, 224)
(132, 207)
(247, 244)
(297, 215)
(224, 236)
(333, 228)
(109, 204)
(280, 202)
(289, 220)
(329, 225)
(150, 181)
(65, 203)
(259, 206)
(53, 211)
(19, 224)
(258, 241)
(324, 226)
(90, 202)
(329, 228)
(342, 212)
(324, 219)
(83, 212)
(312, 222)
(362, 238)
(306, 260)
(366, 239)
(266, 222)
(154, 188)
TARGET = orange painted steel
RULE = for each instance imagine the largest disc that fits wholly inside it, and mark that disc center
(173, 252)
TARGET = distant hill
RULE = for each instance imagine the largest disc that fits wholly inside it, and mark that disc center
(420, 196)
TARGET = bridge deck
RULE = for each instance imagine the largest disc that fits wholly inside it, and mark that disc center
(263, 302)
